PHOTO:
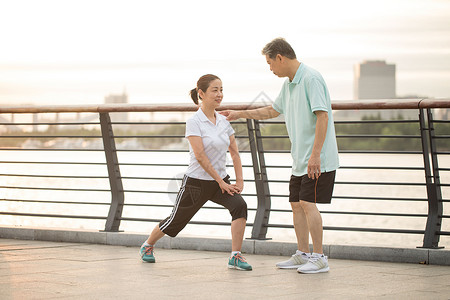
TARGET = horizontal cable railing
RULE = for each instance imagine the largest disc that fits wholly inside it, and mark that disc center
(142, 164)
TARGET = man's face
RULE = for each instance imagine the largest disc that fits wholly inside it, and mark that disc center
(275, 65)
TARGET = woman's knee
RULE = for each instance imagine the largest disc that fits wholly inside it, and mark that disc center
(239, 209)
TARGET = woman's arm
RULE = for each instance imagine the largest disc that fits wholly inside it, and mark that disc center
(199, 152)
(234, 152)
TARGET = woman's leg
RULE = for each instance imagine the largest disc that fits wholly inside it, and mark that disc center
(238, 210)
(237, 233)
(189, 200)
(156, 235)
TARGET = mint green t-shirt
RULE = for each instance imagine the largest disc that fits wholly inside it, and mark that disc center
(297, 101)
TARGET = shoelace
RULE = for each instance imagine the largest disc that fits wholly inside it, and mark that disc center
(293, 255)
(315, 258)
(148, 250)
(302, 255)
(239, 258)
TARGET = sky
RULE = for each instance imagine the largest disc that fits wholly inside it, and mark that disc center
(78, 52)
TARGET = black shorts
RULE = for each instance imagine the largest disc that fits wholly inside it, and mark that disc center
(312, 190)
(193, 194)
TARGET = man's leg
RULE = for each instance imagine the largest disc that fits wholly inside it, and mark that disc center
(318, 262)
(300, 226)
(314, 221)
(301, 257)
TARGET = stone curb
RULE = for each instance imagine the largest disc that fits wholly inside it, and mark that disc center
(368, 253)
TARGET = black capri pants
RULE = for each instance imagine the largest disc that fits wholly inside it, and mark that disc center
(193, 194)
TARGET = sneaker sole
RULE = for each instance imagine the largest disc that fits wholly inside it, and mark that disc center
(237, 268)
(147, 261)
(315, 271)
(289, 267)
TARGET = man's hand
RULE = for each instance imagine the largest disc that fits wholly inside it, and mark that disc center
(314, 167)
(230, 114)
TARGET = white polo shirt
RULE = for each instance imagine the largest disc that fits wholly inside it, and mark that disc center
(216, 140)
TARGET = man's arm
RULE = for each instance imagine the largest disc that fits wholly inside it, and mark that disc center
(263, 113)
(319, 139)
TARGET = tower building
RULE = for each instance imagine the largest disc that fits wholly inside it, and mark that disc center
(374, 79)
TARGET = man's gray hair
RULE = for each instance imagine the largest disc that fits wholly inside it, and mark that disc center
(279, 46)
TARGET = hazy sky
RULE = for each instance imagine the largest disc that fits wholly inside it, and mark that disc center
(69, 52)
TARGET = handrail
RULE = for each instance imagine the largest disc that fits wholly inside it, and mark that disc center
(110, 108)
(434, 103)
(256, 140)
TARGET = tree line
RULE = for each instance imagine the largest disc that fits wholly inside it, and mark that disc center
(356, 136)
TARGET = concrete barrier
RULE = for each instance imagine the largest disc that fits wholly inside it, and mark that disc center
(387, 254)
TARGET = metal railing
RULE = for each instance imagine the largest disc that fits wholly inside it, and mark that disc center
(259, 144)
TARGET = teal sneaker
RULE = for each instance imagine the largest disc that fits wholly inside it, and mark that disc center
(146, 253)
(238, 262)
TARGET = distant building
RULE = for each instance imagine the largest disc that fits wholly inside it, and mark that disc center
(374, 79)
(123, 98)
(116, 99)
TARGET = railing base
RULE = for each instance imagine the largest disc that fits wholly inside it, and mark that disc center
(422, 247)
(259, 239)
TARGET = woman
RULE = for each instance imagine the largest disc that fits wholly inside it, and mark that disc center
(210, 135)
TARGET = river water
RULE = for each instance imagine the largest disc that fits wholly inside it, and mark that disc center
(330, 237)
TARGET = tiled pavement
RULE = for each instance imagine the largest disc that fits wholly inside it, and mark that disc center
(53, 270)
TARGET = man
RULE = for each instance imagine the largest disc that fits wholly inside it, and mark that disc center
(305, 103)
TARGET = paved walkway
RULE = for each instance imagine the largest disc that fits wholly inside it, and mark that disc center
(50, 270)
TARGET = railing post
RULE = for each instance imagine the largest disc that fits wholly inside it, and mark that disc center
(435, 209)
(115, 179)
(262, 186)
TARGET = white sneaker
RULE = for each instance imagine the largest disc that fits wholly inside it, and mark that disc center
(296, 261)
(316, 264)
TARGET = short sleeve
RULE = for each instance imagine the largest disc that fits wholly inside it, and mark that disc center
(317, 96)
(192, 128)
(230, 130)
(278, 105)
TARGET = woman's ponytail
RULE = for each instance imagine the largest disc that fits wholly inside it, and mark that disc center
(194, 95)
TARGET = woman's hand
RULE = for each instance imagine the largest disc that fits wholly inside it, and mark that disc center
(239, 185)
(229, 188)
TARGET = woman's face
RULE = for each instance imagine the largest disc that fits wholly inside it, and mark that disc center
(213, 95)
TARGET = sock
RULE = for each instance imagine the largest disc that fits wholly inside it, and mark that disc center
(234, 252)
(318, 254)
(145, 244)
(301, 252)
